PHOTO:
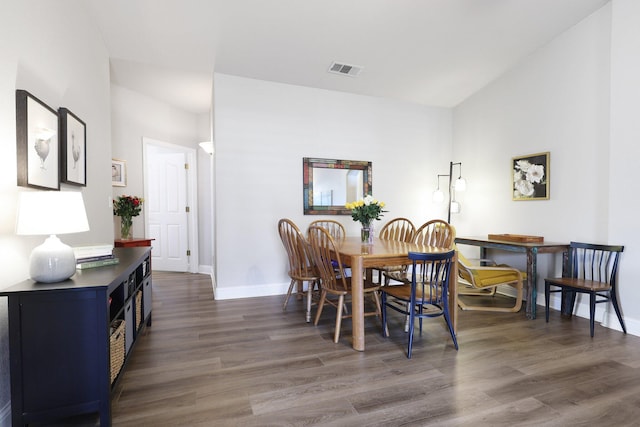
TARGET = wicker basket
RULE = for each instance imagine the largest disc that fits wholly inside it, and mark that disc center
(116, 342)
(138, 309)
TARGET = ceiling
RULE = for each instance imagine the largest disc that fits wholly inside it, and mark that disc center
(432, 52)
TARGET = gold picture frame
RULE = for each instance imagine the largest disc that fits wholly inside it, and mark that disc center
(530, 177)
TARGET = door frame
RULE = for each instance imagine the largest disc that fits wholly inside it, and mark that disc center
(192, 194)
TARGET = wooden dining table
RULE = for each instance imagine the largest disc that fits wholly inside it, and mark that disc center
(382, 253)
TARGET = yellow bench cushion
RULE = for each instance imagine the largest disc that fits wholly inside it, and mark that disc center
(486, 276)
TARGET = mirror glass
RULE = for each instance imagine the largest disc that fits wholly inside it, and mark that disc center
(328, 184)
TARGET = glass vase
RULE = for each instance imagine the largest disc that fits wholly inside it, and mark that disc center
(366, 234)
(126, 229)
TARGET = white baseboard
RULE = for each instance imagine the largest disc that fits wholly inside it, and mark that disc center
(605, 314)
(250, 291)
(205, 269)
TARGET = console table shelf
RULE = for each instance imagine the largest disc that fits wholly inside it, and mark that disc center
(60, 344)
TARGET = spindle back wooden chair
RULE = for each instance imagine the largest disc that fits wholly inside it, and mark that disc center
(425, 296)
(323, 248)
(592, 270)
(398, 229)
(301, 266)
(335, 228)
(437, 232)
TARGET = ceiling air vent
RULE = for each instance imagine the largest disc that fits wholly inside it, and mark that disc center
(345, 69)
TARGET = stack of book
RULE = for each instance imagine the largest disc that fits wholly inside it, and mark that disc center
(94, 256)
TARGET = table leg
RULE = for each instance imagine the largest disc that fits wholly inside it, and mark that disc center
(531, 285)
(453, 294)
(567, 303)
(357, 303)
(568, 297)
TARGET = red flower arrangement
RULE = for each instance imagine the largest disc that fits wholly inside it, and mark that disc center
(127, 206)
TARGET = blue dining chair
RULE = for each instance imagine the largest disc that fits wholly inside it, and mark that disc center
(426, 296)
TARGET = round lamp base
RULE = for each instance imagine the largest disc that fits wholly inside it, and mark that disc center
(52, 261)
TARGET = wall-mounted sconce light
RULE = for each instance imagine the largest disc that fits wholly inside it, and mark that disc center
(459, 185)
(207, 146)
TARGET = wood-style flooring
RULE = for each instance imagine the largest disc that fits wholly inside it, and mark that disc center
(248, 363)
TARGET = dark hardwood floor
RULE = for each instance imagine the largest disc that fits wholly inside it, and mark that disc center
(248, 363)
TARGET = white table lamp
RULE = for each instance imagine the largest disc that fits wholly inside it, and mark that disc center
(51, 213)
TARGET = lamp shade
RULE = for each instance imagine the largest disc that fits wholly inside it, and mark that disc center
(51, 213)
(461, 184)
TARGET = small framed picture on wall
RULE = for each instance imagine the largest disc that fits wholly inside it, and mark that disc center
(73, 144)
(530, 175)
(118, 173)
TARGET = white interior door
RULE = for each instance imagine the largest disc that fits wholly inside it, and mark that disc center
(167, 199)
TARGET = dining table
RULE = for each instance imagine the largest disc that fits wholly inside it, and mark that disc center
(383, 253)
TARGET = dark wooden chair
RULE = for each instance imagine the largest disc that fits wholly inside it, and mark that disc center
(426, 296)
(301, 266)
(592, 269)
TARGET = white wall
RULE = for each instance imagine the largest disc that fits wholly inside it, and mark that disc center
(556, 100)
(134, 116)
(576, 98)
(625, 152)
(205, 215)
(60, 64)
(52, 50)
(262, 132)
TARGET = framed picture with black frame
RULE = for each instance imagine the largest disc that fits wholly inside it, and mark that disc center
(73, 144)
(38, 153)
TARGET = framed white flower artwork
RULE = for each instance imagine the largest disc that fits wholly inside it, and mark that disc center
(530, 177)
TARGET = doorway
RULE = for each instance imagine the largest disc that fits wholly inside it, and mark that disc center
(171, 205)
